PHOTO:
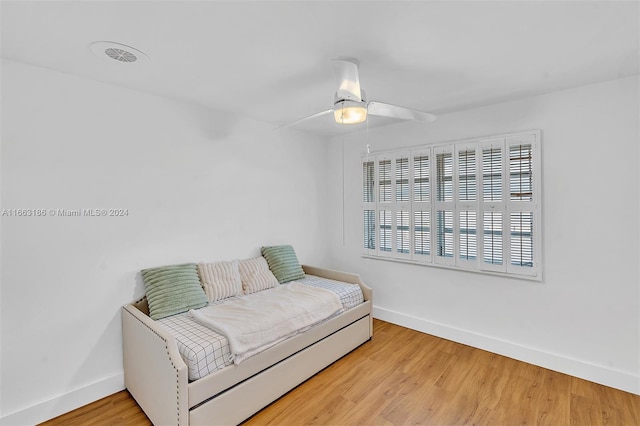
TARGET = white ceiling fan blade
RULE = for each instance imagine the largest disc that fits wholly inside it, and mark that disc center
(348, 79)
(402, 113)
(293, 123)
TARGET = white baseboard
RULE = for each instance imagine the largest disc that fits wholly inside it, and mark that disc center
(61, 404)
(578, 368)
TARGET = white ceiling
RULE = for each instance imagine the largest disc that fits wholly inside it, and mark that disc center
(271, 60)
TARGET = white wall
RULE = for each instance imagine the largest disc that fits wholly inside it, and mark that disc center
(199, 185)
(584, 319)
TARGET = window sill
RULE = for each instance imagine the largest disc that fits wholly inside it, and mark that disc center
(537, 277)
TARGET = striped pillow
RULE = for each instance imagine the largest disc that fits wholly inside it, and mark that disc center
(255, 275)
(173, 289)
(220, 279)
(283, 262)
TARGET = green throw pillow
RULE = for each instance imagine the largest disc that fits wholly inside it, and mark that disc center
(283, 262)
(173, 289)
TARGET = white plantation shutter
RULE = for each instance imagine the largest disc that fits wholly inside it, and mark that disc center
(422, 234)
(385, 195)
(421, 205)
(444, 175)
(421, 178)
(385, 230)
(492, 169)
(402, 229)
(467, 205)
(468, 235)
(444, 206)
(492, 205)
(492, 241)
(403, 241)
(444, 237)
(369, 205)
(387, 205)
(368, 179)
(471, 204)
(520, 171)
(369, 221)
(384, 181)
(521, 226)
(467, 165)
(402, 179)
(521, 207)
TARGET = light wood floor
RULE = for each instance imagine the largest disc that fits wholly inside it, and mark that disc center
(404, 377)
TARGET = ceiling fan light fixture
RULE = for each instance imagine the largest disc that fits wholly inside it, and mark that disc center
(350, 104)
(350, 112)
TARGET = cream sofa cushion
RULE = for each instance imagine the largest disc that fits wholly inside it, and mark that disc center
(256, 275)
(220, 280)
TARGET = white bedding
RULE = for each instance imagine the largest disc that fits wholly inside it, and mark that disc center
(205, 351)
(258, 321)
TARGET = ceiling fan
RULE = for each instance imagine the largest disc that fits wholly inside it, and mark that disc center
(350, 105)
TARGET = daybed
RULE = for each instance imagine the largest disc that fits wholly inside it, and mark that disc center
(157, 376)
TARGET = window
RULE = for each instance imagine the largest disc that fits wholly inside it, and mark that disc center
(471, 205)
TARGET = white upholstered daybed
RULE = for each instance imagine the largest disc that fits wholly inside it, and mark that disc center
(158, 379)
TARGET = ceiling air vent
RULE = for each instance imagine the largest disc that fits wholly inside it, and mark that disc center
(120, 55)
(110, 50)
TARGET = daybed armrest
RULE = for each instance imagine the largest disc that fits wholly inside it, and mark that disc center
(346, 277)
(154, 372)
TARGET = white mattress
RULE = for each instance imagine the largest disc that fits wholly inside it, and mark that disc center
(205, 351)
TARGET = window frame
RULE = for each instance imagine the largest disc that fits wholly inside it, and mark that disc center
(526, 231)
